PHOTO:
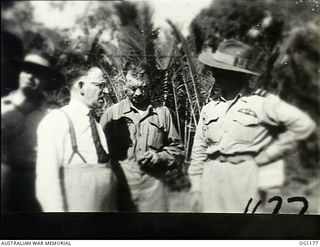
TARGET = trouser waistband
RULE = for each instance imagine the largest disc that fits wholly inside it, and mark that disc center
(232, 158)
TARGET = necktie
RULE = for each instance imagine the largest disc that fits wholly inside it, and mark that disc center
(102, 156)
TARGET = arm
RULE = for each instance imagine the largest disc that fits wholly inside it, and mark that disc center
(173, 151)
(297, 125)
(198, 156)
(11, 127)
(51, 133)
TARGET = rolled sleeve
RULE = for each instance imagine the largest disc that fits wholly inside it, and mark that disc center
(173, 151)
(297, 126)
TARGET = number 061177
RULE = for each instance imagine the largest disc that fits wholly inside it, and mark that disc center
(309, 242)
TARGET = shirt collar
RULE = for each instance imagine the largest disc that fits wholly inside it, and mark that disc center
(79, 106)
(128, 107)
(240, 95)
(243, 91)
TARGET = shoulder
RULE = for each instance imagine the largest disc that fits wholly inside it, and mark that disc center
(260, 96)
(112, 112)
(117, 107)
(6, 100)
(159, 107)
(54, 120)
(10, 114)
(209, 106)
(7, 105)
(162, 111)
(12, 120)
(260, 92)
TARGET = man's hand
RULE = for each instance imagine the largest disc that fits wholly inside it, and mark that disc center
(150, 157)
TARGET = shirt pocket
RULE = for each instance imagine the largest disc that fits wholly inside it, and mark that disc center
(246, 127)
(156, 133)
(210, 128)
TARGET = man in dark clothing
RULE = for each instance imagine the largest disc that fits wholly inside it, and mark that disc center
(21, 112)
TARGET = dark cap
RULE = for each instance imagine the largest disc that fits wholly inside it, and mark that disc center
(41, 64)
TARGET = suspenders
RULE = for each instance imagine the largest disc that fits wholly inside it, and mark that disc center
(74, 151)
(73, 139)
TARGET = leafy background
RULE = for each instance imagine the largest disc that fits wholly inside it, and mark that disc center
(285, 35)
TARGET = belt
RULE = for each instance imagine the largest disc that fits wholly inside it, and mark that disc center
(232, 158)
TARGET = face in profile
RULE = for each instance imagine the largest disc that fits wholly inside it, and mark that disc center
(92, 87)
(137, 88)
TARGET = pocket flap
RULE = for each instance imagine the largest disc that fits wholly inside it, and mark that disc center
(209, 118)
(157, 125)
(246, 120)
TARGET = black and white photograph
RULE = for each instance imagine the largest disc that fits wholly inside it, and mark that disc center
(185, 119)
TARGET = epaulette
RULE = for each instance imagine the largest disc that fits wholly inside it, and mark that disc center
(261, 92)
(7, 101)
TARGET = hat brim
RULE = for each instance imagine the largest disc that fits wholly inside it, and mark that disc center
(54, 79)
(207, 58)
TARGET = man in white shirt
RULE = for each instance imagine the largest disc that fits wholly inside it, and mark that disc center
(72, 164)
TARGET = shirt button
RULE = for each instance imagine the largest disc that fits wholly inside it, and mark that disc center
(222, 149)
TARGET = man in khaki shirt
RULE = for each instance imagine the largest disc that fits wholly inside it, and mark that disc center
(143, 144)
(239, 133)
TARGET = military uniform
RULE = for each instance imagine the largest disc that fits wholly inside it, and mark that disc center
(231, 137)
(19, 120)
(130, 135)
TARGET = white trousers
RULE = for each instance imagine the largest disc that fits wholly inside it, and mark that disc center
(227, 188)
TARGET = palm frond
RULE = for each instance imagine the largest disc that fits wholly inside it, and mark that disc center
(189, 62)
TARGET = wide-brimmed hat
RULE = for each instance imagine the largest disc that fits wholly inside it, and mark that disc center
(41, 64)
(230, 55)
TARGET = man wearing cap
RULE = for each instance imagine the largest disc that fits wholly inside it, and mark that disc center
(73, 173)
(21, 111)
(11, 49)
(143, 144)
(242, 135)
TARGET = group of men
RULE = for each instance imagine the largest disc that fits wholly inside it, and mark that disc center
(64, 160)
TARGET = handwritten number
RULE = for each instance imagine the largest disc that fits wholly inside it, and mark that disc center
(247, 207)
(300, 199)
(254, 209)
(277, 208)
(278, 205)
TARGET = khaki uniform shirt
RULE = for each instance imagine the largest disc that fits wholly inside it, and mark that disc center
(245, 125)
(130, 134)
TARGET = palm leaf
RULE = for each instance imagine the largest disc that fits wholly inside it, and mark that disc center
(182, 40)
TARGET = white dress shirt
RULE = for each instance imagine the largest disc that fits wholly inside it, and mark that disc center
(55, 149)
